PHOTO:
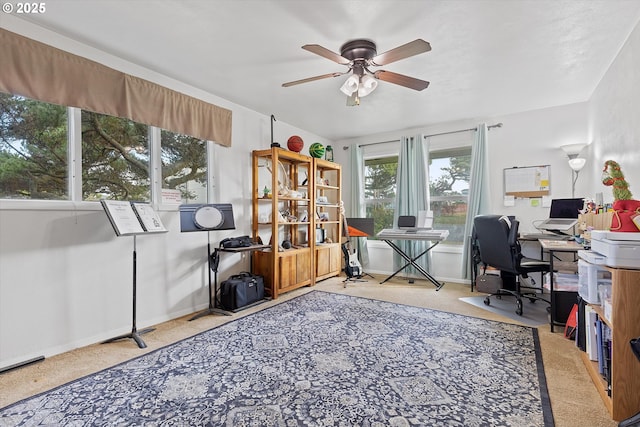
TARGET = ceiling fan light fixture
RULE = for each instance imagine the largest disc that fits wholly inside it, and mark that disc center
(360, 54)
(367, 85)
(350, 85)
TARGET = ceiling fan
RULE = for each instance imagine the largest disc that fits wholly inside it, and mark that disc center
(361, 54)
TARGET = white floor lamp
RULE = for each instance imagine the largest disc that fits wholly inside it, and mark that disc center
(575, 163)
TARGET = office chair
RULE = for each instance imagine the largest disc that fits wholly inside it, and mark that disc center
(496, 239)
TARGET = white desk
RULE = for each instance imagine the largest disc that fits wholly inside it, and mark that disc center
(434, 236)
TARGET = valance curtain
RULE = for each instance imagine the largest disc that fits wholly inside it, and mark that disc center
(38, 71)
(412, 185)
(479, 191)
(357, 208)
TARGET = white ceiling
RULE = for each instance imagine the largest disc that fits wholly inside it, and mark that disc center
(489, 57)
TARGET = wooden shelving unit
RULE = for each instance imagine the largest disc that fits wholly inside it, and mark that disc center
(328, 177)
(624, 400)
(286, 219)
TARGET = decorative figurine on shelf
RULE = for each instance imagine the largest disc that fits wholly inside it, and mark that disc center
(625, 208)
(316, 150)
(328, 154)
(613, 176)
(295, 143)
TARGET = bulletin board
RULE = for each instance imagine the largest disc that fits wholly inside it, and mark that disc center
(527, 181)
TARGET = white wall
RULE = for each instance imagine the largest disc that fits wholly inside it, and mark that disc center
(66, 279)
(614, 124)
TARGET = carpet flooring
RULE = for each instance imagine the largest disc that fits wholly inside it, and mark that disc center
(318, 359)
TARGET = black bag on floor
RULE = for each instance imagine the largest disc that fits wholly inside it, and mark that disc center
(240, 290)
(488, 283)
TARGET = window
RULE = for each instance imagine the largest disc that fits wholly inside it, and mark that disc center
(36, 152)
(184, 166)
(380, 190)
(115, 158)
(33, 149)
(448, 189)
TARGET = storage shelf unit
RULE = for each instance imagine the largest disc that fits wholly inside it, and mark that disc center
(624, 400)
(327, 180)
(286, 219)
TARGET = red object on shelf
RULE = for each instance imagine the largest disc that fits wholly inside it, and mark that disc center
(295, 143)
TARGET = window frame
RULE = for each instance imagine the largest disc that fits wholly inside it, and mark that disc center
(74, 173)
(449, 150)
(368, 202)
(448, 153)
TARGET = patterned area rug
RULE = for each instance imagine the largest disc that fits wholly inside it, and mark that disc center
(321, 359)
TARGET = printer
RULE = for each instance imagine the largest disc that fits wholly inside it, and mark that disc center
(619, 249)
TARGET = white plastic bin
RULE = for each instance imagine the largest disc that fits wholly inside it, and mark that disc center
(562, 282)
(590, 277)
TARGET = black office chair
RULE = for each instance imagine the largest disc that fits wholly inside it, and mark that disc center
(496, 240)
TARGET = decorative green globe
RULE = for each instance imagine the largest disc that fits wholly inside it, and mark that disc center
(316, 150)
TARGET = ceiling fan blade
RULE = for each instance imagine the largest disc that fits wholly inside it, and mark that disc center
(326, 53)
(311, 79)
(405, 51)
(401, 79)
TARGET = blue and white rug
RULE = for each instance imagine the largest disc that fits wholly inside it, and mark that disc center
(321, 359)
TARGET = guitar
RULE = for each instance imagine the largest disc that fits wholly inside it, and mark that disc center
(352, 266)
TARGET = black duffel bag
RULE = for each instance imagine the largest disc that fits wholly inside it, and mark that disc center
(236, 242)
(240, 290)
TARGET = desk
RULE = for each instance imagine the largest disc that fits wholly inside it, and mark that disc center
(552, 246)
(434, 236)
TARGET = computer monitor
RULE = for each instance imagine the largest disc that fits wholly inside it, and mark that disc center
(566, 208)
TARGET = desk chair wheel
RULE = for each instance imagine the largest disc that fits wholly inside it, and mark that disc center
(487, 301)
(519, 307)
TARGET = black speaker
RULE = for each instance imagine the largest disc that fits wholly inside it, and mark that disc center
(406, 221)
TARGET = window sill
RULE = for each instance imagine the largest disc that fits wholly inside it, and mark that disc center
(48, 205)
(62, 205)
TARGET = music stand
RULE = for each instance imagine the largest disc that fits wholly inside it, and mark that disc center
(132, 219)
(208, 217)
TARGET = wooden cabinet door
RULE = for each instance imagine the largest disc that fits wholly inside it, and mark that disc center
(335, 259)
(288, 269)
(323, 260)
(303, 266)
